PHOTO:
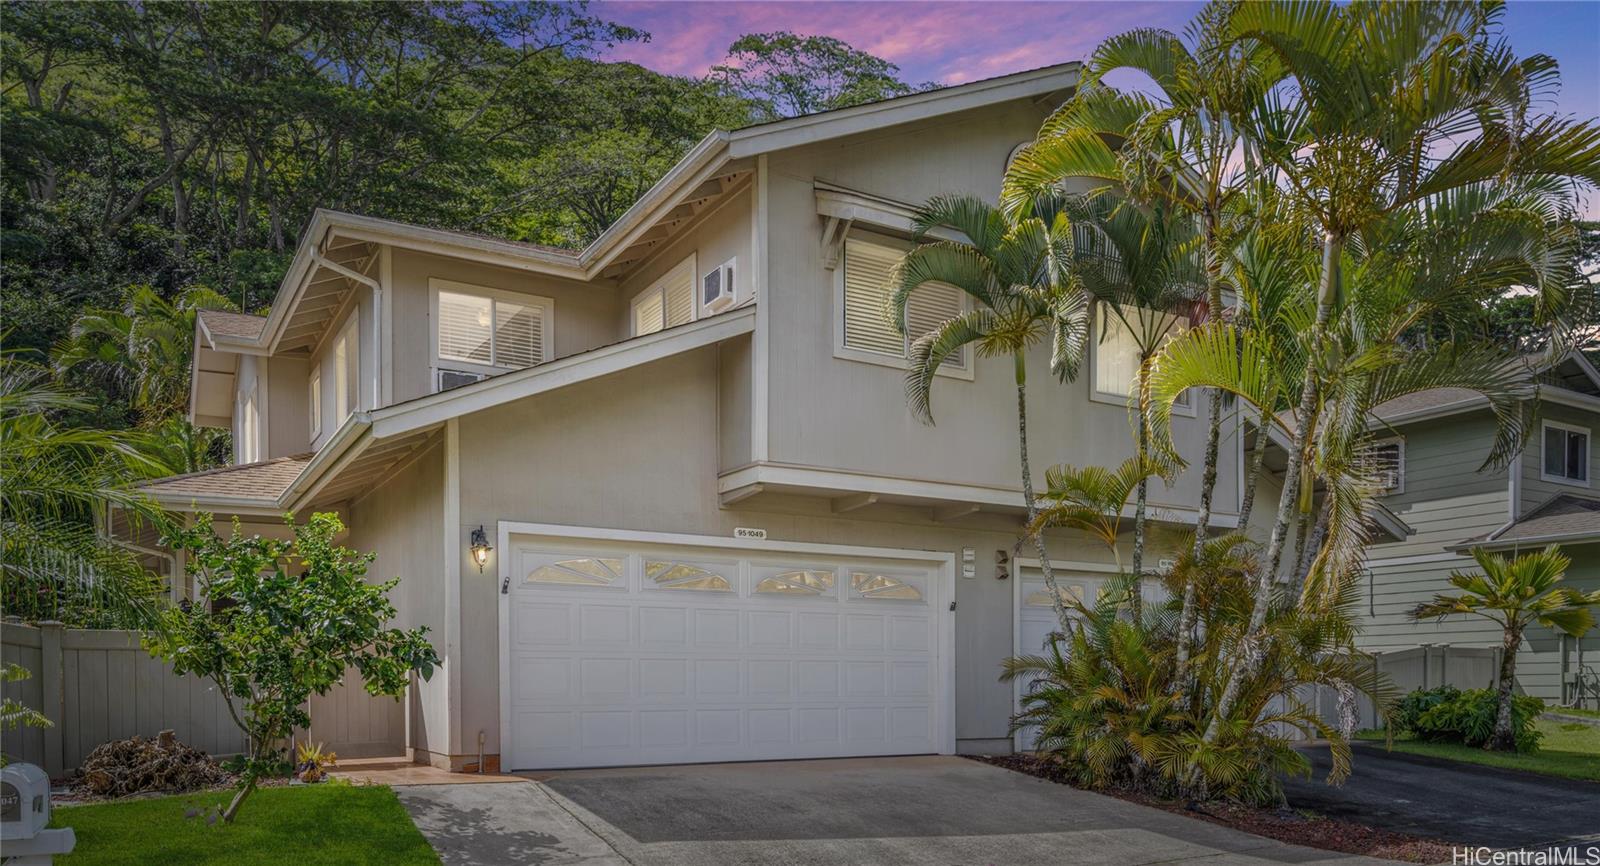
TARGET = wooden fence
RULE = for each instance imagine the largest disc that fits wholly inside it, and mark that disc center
(101, 685)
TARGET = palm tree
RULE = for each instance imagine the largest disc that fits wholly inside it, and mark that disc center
(1017, 273)
(1514, 594)
(55, 483)
(1383, 109)
(1140, 267)
(142, 349)
(1186, 147)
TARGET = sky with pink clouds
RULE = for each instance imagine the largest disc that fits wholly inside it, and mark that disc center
(954, 42)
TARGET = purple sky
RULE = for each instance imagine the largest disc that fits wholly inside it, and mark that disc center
(953, 42)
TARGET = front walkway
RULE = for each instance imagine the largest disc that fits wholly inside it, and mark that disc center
(881, 811)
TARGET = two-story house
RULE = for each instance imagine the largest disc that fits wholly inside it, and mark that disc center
(661, 500)
(1436, 441)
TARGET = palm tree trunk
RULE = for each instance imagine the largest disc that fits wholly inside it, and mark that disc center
(1504, 738)
(1142, 498)
(1248, 496)
(1248, 654)
(1208, 477)
(1027, 491)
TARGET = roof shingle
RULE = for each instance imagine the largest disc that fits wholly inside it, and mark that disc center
(241, 326)
(267, 479)
(1562, 515)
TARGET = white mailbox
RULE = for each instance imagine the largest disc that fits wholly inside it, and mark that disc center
(24, 815)
(24, 801)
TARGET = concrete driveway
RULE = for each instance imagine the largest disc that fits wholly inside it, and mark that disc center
(1453, 801)
(920, 810)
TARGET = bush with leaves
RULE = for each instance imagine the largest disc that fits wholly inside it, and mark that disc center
(286, 620)
(1449, 715)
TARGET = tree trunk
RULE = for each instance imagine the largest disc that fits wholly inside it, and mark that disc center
(239, 798)
(1250, 476)
(1136, 603)
(1248, 655)
(1504, 738)
(1027, 492)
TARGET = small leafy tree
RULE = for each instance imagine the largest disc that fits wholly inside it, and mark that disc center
(284, 620)
(14, 713)
(1515, 593)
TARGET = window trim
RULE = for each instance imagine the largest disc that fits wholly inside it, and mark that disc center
(314, 398)
(658, 287)
(1183, 407)
(965, 372)
(436, 363)
(1588, 453)
(348, 343)
(1400, 463)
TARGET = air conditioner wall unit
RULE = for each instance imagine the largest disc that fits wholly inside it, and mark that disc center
(447, 379)
(717, 288)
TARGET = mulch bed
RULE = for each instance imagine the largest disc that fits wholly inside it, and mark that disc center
(1295, 828)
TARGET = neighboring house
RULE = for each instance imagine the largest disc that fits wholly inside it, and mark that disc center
(1437, 440)
(717, 532)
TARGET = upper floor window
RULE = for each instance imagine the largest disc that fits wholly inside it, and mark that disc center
(1389, 464)
(1565, 457)
(866, 333)
(314, 393)
(478, 332)
(668, 302)
(345, 366)
(1117, 354)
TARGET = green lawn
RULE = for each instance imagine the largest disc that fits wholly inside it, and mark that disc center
(1565, 711)
(1569, 749)
(297, 825)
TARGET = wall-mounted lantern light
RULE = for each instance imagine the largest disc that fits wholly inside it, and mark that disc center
(480, 548)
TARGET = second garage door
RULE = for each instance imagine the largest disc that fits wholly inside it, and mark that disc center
(624, 653)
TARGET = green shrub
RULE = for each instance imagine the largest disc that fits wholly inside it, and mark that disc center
(1448, 715)
(1412, 706)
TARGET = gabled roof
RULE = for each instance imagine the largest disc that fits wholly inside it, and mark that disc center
(225, 325)
(1564, 518)
(1564, 378)
(368, 445)
(713, 167)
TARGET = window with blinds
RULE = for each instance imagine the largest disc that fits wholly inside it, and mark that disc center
(1116, 354)
(668, 302)
(489, 332)
(868, 270)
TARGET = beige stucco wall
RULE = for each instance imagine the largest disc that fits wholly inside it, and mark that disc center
(839, 413)
(634, 451)
(585, 314)
(402, 521)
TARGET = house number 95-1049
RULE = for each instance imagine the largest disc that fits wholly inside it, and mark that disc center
(749, 532)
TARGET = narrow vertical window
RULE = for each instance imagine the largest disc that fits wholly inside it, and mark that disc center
(314, 397)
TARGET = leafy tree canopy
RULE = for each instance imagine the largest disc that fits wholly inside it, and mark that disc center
(784, 74)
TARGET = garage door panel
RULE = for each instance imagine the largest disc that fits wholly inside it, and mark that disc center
(632, 656)
(817, 631)
(542, 624)
(664, 679)
(770, 679)
(663, 627)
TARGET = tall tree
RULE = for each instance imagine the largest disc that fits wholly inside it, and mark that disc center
(1018, 274)
(785, 74)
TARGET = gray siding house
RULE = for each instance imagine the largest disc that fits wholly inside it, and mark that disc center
(714, 530)
(1549, 494)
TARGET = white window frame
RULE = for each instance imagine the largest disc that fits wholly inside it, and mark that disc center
(1400, 463)
(659, 285)
(435, 363)
(314, 396)
(346, 347)
(1588, 454)
(1184, 406)
(900, 362)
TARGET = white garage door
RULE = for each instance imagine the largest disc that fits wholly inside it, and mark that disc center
(623, 653)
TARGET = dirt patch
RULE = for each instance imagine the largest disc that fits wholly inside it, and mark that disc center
(1295, 828)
